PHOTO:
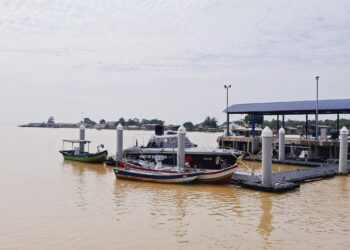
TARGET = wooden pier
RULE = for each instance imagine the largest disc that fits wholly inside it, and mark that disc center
(287, 181)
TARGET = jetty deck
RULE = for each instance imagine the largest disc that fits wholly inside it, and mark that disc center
(288, 180)
(301, 163)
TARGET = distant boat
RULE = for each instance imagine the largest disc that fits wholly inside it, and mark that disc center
(217, 176)
(158, 177)
(77, 155)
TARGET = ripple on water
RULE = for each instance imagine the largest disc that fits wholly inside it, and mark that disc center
(47, 203)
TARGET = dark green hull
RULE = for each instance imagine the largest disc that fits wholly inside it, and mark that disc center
(85, 157)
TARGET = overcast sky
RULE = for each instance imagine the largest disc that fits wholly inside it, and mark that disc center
(166, 59)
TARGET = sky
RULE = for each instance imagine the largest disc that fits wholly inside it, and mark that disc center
(166, 59)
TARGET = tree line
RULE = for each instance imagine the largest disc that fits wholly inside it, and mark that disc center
(212, 122)
(209, 122)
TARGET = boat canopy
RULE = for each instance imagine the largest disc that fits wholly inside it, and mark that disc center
(167, 141)
(77, 141)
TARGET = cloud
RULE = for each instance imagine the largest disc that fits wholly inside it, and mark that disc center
(200, 42)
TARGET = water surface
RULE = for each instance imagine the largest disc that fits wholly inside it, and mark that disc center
(49, 203)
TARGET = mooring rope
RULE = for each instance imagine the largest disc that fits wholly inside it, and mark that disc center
(240, 160)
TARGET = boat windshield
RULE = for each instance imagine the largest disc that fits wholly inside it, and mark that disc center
(167, 142)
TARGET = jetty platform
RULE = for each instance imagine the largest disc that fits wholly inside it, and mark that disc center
(288, 180)
(302, 163)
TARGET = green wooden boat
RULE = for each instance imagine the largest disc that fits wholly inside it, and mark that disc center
(76, 155)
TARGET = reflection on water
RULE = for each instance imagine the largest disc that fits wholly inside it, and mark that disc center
(80, 168)
(257, 169)
(84, 173)
(343, 184)
(174, 204)
(48, 203)
(265, 225)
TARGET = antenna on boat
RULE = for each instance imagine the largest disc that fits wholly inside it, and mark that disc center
(100, 146)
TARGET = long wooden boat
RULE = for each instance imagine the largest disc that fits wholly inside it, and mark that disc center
(159, 177)
(99, 157)
(220, 176)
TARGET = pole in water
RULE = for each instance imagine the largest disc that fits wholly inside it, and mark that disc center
(343, 151)
(119, 154)
(82, 137)
(281, 144)
(181, 147)
(266, 136)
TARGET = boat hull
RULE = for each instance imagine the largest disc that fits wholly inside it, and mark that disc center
(217, 176)
(198, 159)
(86, 157)
(170, 178)
(221, 176)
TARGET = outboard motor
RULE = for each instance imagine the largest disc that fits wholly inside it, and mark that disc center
(159, 129)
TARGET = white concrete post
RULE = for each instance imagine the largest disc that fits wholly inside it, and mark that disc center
(181, 147)
(266, 136)
(82, 137)
(119, 154)
(343, 151)
(281, 144)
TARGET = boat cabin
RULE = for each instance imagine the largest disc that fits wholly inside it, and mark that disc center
(167, 141)
(77, 150)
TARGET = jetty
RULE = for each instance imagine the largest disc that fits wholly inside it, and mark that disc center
(290, 180)
(324, 145)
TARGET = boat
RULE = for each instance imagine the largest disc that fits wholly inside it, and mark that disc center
(239, 130)
(220, 176)
(217, 176)
(76, 155)
(165, 144)
(158, 177)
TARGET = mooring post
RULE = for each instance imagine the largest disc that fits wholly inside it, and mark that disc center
(181, 147)
(281, 144)
(266, 136)
(343, 151)
(82, 137)
(119, 154)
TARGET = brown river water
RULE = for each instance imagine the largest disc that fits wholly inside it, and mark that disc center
(49, 203)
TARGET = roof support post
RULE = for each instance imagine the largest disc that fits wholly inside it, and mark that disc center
(306, 125)
(283, 125)
(316, 115)
(253, 125)
(228, 124)
(228, 115)
(338, 125)
(278, 122)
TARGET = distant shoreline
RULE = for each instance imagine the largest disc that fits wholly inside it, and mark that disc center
(99, 127)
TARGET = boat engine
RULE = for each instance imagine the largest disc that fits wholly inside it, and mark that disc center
(159, 129)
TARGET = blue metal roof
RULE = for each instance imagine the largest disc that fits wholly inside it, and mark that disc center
(295, 107)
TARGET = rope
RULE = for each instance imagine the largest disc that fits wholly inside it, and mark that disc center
(240, 160)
